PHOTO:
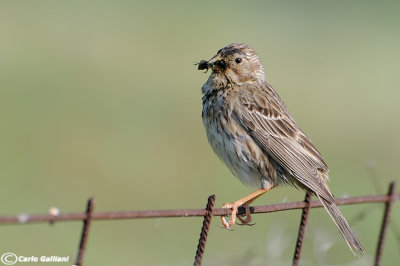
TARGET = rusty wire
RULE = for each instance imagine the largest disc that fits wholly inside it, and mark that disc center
(85, 232)
(302, 229)
(207, 213)
(204, 231)
(385, 222)
(117, 215)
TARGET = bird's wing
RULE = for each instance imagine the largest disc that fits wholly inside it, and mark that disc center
(263, 115)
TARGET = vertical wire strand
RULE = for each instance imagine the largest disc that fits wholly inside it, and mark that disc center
(85, 232)
(302, 228)
(385, 222)
(204, 231)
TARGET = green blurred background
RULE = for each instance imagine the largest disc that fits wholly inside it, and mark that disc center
(102, 99)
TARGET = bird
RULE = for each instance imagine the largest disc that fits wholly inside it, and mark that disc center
(251, 130)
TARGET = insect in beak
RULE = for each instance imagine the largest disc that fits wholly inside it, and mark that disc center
(203, 64)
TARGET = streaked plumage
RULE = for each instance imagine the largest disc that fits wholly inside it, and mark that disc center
(251, 130)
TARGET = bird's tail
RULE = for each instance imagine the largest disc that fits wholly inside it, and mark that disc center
(344, 227)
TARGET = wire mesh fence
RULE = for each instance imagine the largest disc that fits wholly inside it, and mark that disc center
(89, 216)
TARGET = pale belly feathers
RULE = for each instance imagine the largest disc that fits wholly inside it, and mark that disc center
(229, 148)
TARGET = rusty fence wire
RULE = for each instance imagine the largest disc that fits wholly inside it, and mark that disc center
(89, 216)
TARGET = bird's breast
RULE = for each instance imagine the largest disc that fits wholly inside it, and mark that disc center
(230, 142)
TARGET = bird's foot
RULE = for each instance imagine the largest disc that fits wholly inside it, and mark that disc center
(234, 207)
(248, 217)
(246, 201)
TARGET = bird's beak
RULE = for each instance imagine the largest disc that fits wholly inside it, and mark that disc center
(216, 62)
(214, 59)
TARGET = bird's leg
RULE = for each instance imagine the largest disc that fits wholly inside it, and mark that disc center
(243, 201)
(248, 213)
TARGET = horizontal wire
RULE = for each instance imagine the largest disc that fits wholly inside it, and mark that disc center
(118, 215)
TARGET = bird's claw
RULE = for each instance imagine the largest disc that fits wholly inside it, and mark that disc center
(234, 208)
(248, 216)
(228, 224)
(245, 221)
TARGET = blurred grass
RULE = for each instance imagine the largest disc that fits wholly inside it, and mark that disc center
(102, 99)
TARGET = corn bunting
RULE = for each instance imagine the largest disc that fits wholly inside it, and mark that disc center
(251, 130)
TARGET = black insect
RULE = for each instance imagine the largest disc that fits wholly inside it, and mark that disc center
(203, 64)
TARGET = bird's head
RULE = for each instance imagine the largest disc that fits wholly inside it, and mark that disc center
(235, 63)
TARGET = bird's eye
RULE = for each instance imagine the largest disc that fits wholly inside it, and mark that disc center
(238, 60)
